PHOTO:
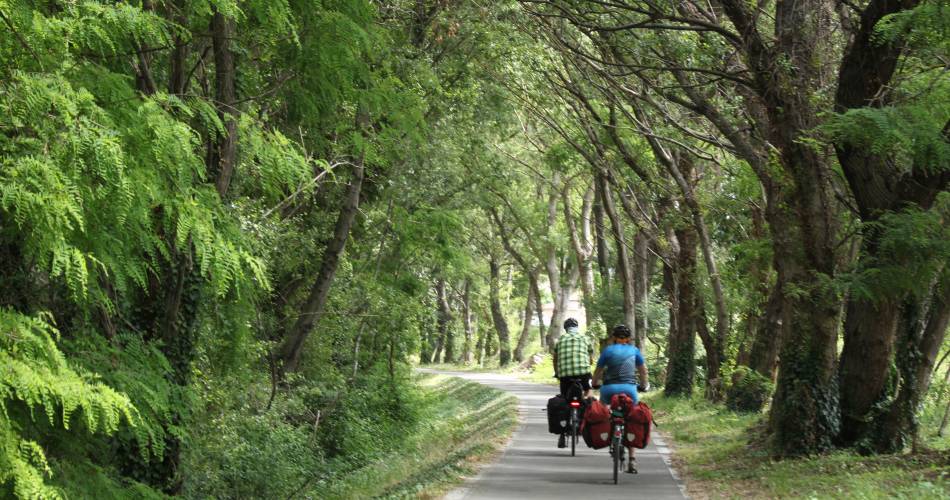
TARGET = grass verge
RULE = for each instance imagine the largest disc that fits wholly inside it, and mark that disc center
(540, 373)
(467, 424)
(711, 450)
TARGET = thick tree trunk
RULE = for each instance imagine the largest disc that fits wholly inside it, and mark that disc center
(681, 290)
(467, 322)
(768, 335)
(312, 309)
(879, 186)
(625, 271)
(497, 315)
(526, 325)
(921, 332)
(225, 153)
(805, 412)
(870, 329)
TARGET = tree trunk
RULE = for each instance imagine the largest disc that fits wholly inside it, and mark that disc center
(641, 288)
(583, 247)
(450, 355)
(539, 309)
(805, 413)
(603, 254)
(178, 58)
(225, 153)
(467, 322)
(680, 283)
(552, 266)
(714, 353)
(946, 411)
(443, 319)
(526, 326)
(623, 259)
(312, 310)
(480, 346)
(497, 315)
(768, 337)
(921, 332)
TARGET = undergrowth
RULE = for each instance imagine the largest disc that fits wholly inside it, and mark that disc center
(463, 424)
(721, 455)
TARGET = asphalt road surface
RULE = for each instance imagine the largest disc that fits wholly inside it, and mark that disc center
(533, 467)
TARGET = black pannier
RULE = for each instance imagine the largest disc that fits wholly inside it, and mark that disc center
(558, 414)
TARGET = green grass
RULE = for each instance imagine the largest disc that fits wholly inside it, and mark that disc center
(542, 373)
(467, 424)
(712, 449)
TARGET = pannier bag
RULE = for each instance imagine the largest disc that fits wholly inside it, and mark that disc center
(639, 420)
(558, 414)
(595, 427)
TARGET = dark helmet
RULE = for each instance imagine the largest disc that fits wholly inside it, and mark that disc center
(570, 323)
(621, 332)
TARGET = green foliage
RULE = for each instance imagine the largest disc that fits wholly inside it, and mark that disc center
(749, 391)
(37, 383)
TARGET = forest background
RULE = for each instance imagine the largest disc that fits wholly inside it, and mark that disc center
(228, 229)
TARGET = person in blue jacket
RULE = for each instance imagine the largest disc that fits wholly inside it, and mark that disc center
(621, 369)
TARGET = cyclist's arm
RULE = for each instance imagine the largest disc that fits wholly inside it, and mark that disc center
(598, 375)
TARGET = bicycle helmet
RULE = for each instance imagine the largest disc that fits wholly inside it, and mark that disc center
(570, 323)
(621, 332)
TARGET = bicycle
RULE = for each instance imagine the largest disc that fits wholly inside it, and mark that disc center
(574, 398)
(617, 450)
(618, 418)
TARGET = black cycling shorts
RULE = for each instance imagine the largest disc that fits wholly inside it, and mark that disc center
(567, 382)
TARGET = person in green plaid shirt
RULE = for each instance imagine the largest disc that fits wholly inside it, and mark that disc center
(573, 355)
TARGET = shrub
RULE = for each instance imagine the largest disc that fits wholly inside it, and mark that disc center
(749, 391)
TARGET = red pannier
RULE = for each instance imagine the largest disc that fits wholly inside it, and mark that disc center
(595, 427)
(638, 419)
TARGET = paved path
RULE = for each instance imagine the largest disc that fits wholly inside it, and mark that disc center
(533, 467)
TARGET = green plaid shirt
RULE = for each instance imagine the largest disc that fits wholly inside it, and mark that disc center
(574, 351)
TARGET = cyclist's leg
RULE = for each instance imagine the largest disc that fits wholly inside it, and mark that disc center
(585, 384)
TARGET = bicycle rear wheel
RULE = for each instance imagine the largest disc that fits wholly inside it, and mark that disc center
(617, 449)
(573, 432)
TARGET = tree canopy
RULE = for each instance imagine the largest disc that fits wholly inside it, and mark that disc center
(229, 229)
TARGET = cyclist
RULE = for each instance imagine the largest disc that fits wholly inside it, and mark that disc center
(573, 355)
(622, 369)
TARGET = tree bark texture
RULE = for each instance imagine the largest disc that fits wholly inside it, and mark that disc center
(525, 335)
(681, 290)
(497, 315)
(467, 322)
(443, 321)
(923, 325)
(879, 186)
(603, 253)
(224, 153)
